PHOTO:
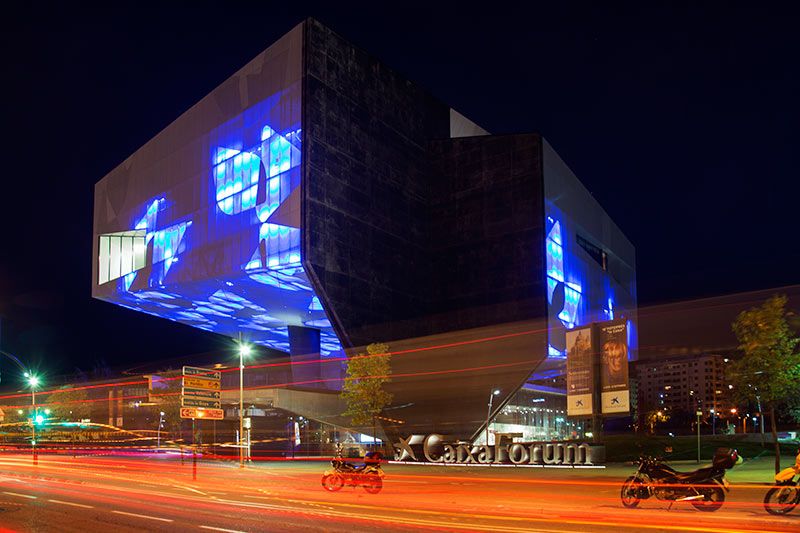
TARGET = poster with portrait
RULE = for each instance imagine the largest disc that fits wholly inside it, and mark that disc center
(580, 372)
(614, 386)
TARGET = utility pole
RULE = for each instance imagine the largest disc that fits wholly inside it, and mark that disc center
(244, 350)
(33, 420)
(489, 412)
(761, 415)
(699, 414)
(160, 423)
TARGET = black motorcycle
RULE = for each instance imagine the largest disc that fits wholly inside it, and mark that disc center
(704, 488)
(368, 474)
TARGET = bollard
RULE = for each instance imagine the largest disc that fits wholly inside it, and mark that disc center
(194, 464)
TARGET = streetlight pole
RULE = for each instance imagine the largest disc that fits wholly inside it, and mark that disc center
(489, 412)
(699, 414)
(160, 423)
(761, 415)
(244, 350)
(33, 381)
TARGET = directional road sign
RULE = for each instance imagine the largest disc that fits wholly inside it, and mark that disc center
(200, 396)
(201, 393)
(202, 372)
(208, 414)
(200, 383)
(199, 402)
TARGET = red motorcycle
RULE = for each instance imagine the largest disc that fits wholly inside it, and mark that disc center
(369, 474)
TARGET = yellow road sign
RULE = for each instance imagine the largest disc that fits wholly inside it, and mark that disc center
(208, 414)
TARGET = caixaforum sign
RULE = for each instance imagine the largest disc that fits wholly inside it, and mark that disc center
(435, 448)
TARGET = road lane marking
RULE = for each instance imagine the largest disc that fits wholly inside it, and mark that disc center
(20, 495)
(144, 516)
(222, 529)
(72, 504)
(191, 489)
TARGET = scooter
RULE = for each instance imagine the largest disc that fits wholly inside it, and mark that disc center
(369, 474)
(704, 488)
(785, 495)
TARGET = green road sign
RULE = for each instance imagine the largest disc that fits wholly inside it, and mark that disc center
(202, 372)
(201, 393)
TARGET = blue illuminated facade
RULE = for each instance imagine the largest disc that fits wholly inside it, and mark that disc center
(251, 179)
(215, 239)
(589, 267)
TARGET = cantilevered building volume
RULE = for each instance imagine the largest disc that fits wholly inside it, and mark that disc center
(317, 201)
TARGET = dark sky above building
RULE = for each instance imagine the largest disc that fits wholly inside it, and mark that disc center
(681, 119)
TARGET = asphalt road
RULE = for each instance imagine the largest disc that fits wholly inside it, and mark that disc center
(157, 493)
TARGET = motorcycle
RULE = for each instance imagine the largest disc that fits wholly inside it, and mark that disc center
(704, 488)
(785, 495)
(369, 474)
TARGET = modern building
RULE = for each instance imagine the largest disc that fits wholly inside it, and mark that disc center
(685, 383)
(317, 201)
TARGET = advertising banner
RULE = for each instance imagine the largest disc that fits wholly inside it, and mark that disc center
(614, 386)
(580, 372)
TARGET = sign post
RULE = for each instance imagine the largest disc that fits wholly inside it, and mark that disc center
(200, 399)
(200, 389)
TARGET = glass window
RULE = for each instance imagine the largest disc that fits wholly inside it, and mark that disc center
(120, 254)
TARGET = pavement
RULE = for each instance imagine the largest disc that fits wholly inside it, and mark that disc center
(155, 492)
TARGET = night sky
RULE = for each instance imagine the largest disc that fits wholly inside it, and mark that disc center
(683, 122)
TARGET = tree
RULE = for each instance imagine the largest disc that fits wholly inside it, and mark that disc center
(654, 417)
(363, 390)
(13, 415)
(168, 400)
(768, 372)
(69, 404)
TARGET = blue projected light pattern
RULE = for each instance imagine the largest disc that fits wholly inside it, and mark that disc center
(167, 244)
(578, 292)
(557, 281)
(254, 185)
(260, 179)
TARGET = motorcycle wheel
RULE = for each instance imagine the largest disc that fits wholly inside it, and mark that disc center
(630, 492)
(332, 482)
(781, 500)
(373, 484)
(712, 501)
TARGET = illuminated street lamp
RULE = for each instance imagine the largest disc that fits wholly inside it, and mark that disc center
(489, 412)
(33, 381)
(160, 423)
(244, 351)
